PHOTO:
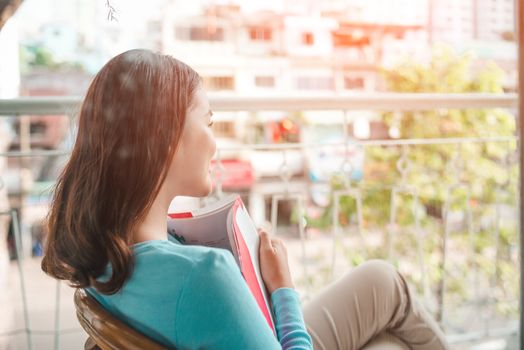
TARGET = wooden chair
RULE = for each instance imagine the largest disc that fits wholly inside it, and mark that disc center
(105, 331)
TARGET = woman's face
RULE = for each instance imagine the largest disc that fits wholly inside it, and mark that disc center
(189, 172)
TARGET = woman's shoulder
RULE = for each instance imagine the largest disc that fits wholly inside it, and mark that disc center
(166, 254)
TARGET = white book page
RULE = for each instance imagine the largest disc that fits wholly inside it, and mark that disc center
(207, 230)
(226, 202)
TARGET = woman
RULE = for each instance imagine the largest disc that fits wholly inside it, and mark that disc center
(144, 137)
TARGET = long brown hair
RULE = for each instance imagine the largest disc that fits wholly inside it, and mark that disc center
(130, 123)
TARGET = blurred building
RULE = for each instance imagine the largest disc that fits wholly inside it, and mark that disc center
(487, 20)
(484, 27)
(275, 47)
(286, 52)
(494, 19)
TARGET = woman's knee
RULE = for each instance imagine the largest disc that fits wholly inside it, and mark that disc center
(378, 267)
(379, 274)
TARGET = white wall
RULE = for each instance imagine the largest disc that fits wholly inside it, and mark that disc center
(321, 28)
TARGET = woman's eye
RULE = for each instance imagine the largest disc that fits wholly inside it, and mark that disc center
(210, 124)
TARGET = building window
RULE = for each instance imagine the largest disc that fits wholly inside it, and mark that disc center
(218, 83)
(350, 40)
(315, 83)
(308, 39)
(353, 83)
(260, 34)
(200, 33)
(265, 81)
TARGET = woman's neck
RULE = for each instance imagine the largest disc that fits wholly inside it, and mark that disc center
(154, 224)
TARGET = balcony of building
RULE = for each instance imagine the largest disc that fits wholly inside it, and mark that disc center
(443, 209)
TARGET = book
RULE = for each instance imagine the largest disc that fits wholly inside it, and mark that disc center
(226, 224)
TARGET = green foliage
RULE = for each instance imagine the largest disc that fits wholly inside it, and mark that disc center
(436, 167)
(43, 58)
(34, 56)
(472, 176)
(481, 171)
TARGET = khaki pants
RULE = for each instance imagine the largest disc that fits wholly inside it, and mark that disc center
(371, 308)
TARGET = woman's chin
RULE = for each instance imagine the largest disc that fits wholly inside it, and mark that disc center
(206, 190)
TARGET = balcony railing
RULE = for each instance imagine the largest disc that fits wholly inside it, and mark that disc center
(458, 235)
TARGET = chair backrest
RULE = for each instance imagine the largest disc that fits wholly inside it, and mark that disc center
(106, 330)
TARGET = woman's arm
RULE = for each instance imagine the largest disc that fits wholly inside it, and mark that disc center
(289, 321)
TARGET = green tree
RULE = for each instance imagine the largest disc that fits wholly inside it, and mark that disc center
(484, 172)
(34, 56)
(43, 58)
(483, 163)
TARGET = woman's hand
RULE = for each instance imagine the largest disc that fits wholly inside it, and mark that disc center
(274, 266)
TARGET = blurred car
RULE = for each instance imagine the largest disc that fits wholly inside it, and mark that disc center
(332, 158)
(327, 160)
(236, 174)
(270, 163)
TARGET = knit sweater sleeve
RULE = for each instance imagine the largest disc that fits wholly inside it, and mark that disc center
(291, 328)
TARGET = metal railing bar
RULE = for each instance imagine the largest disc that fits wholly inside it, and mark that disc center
(40, 105)
(519, 23)
(57, 315)
(41, 332)
(472, 336)
(357, 101)
(19, 257)
(365, 101)
(394, 142)
(298, 146)
(36, 153)
(13, 332)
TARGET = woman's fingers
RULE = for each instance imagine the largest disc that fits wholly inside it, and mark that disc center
(273, 244)
(265, 239)
(273, 262)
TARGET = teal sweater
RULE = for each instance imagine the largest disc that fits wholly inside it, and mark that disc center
(193, 297)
